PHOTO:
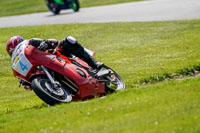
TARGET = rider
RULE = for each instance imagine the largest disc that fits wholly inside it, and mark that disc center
(67, 46)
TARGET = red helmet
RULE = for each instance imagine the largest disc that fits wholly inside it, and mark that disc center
(12, 43)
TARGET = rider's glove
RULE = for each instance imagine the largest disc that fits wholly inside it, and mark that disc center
(43, 46)
(53, 43)
(48, 44)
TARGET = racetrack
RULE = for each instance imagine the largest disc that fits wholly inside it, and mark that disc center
(155, 10)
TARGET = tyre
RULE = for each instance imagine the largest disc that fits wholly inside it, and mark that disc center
(44, 89)
(55, 11)
(52, 6)
(75, 5)
(113, 82)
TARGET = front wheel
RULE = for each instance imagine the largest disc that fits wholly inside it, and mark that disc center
(48, 93)
(75, 5)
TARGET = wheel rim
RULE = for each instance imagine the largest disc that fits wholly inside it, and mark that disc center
(56, 91)
(59, 93)
(114, 81)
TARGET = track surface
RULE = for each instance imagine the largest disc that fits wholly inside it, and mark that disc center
(155, 10)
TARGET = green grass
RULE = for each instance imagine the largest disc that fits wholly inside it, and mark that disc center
(165, 107)
(16, 7)
(138, 52)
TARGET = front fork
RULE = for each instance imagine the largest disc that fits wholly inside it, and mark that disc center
(55, 85)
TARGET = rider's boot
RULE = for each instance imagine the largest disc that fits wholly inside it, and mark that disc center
(91, 61)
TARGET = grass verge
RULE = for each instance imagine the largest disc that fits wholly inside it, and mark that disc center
(165, 107)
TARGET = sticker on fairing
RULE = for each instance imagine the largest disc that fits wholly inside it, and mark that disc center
(19, 61)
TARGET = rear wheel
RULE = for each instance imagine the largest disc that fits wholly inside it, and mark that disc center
(75, 5)
(52, 6)
(113, 81)
(48, 93)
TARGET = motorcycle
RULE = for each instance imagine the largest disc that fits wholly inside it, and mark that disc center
(57, 5)
(56, 78)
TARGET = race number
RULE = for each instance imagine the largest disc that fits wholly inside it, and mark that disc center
(19, 61)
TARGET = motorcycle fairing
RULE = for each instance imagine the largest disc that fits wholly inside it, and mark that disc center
(88, 86)
(63, 4)
(59, 2)
(90, 89)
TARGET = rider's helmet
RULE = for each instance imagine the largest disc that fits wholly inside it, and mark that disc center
(12, 43)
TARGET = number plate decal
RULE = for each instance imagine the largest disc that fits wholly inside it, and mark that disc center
(19, 61)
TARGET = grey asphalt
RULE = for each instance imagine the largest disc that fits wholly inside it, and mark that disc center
(151, 10)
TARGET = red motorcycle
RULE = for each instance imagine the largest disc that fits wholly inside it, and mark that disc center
(56, 78)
